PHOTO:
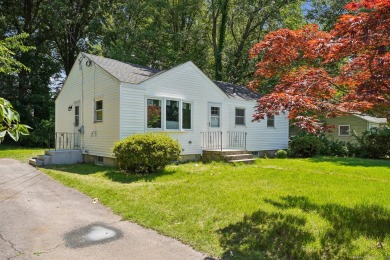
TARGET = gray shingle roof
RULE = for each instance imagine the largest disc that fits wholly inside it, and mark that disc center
(372, 119)
(132, 73)
(124, 72)
(237, 91)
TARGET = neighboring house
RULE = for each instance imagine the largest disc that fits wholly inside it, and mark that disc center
(104, 101)
(345, 126)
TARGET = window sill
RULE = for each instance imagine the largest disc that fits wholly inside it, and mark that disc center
(169, 130)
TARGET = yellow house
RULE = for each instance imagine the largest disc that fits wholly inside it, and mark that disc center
(345, 126)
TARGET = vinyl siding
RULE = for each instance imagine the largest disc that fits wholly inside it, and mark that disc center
(259, 136)
(188, 83)
(356, 124)
(185, 83)
(84, 85)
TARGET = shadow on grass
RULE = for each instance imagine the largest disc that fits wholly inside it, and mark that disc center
(352, 161)
(121, 177)
(266, 236)
(110, 173)
(81, 168)
(346, 225)
(281, 235)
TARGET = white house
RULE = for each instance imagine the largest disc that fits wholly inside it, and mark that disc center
(104, 100)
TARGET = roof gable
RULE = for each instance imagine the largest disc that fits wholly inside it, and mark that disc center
(124, 72)
(135, 74)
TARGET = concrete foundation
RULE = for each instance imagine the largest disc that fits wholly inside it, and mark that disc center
(268, 153)
(94, 159)
(64, 156)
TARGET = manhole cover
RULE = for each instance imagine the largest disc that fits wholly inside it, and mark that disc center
(97, 233)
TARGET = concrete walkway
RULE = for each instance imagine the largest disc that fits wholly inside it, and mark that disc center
(42, 219)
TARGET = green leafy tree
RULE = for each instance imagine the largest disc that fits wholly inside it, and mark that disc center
(29, 91)
(9, 117)
(8, 47)
(156, 33)
(248, 21)
(10, 122)
(325, 12)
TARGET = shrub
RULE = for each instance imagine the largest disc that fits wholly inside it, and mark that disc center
(146, 153)
(281, 154)
(374, 145)
(305, 145)
(334, 147)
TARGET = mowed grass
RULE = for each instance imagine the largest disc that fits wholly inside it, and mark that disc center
(333, 208)
(19, 153)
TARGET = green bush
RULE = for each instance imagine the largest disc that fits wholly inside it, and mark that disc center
(374, 145)
(281, 154)
(334, 147)
(146, 153)
(305, 145)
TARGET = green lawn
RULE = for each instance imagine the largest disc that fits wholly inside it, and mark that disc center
(18, 152)
(292, 208)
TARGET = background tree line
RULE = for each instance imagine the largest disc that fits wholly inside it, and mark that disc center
(215, 34)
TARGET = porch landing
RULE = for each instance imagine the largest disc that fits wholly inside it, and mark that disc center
(227, 155)
(68, 156)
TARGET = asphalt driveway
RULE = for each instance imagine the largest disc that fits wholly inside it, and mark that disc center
(42, 219)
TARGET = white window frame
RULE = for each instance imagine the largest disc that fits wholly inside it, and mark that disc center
(274, 121)
(349, 130)
(191, 115)
(164, 114)
(244, 116)
(210, 116)
(96, 110)
(99, 160)
(76, 116)
(166, 111)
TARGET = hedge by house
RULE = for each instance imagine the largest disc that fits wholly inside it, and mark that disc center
(146, 153)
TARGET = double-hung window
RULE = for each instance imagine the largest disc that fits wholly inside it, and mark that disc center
(240, 116)
(271, 121)
(98, 110)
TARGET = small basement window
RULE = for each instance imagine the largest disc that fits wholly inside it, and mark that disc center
(99, 160)
(344, 130)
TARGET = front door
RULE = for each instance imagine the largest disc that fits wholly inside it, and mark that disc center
(213, 138)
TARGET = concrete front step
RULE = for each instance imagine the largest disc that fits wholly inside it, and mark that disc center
(45, 158)
(230, 155)
(70, 156)
(225, 152)
(243, 156)
(36, 162)
(246, 161)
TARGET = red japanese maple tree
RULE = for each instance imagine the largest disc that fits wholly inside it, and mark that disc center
(324, 74)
